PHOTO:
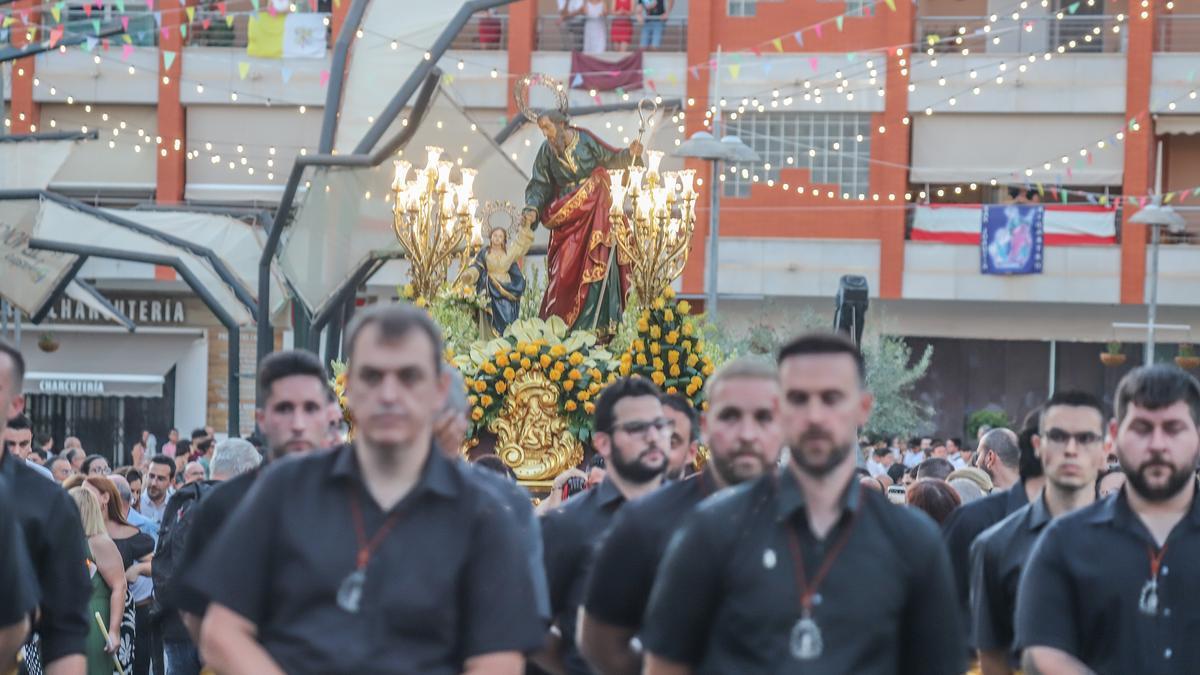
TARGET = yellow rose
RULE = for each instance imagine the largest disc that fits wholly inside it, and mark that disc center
(485, 400)
(672, 337)
(545, 360)
(514, 356)
(655, 332)
(509, 374)
(589, 408)
(501, 387)
(643, 325)
(556, 374)
(594, 387)
(658, 364)
(684, 307)
(575, 359)
(624, 368)
(531, 350)
(570, 406)
(449, 353)
(658, 377)
(638, 345)
(526, 364)
(697, 382)
(708, 369)
(626, 358)
(583, 395)
(687, 345)
(501, 359)
(420, 302)
(489, 368)
(699, 345)
(675, 370)
(568, 385)
(692, 360)
(560, 366)
(655, 348)
(641, 359)
(612, 377)
(691, 390)
(660, 303)
(472, 399)
(408, 291)
(672, 390)
(595, 373)
(668, 292)
(480, 386)
(668, 316)
(672, 357)
(645, 315)
(477, 413)
(687, 328)
(557, 351)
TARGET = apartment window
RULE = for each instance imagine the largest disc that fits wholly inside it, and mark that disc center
(143, 31)
(743, 7)
(827, 144)
(853, 7)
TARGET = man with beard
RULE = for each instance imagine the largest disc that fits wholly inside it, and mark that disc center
(378, 556)
(741, 430)
(685, 439)
(1112, 588)
(631, 434)
(293, 420)
(781, 574)
(1070, 445)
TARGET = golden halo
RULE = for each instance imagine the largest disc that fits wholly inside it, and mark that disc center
(521, 94)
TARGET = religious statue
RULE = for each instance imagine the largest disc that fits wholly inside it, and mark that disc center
(569, 193)
(495, 272)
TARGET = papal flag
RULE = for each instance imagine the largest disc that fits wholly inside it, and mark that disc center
(288, 36)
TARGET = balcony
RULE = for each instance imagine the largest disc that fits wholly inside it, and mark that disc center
(1178, 33)
(555, 36)
(1094, 33)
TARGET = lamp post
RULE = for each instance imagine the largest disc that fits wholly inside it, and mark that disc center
(434, 220)
(703, 145)
(1156, 216)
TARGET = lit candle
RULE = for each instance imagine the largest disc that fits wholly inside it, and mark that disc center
(434, 154)
(635, 179)
(443, 175)
(402, 169)
(669, 180)
(468, 181)
(688, 177)
(653, 158)
(618, 200)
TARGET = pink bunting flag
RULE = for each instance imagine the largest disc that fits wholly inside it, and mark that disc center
(817, 30)
(756, 50)
(324, 77)
(812, 63)
(87, 10)
(206, 23)
(125, 23)
(221, 8)
(166, 34)
(650, 83)
(695, 71)
(150, 5)
(56, 34)
(126, 52)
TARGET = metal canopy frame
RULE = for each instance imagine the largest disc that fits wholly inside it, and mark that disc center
(106, 303)
(425, 77)
(234, 398)
(519, 121)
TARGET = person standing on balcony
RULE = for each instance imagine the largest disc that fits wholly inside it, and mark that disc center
(654, 16)
(594, 38)
(622, 25)
(571, 13)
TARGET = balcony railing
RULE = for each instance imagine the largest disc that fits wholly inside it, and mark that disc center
(483, 32)
(1080, 33)
(1190, 234)
(1178, 33)
(556, 36)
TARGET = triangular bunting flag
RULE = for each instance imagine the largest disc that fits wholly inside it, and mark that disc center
(650, 83)
(243, 69)
(449, 79)
(312, 5)
(206, 23)
(1090, 197)
(1073, 7)
(1169, 197)
(1103, 200)
(89, 43)
(1196, 192)
(1064, 196)
(96, 25)
(695, 71)
(158, 19)
(735, 70)
(87, 10)
(127, 39)
(228, 21)
(817, 30)
(324, 77)
(778, 44)
(756, 50)
(799, 37)
(1041, 190)
(56, 12)
(255, 3)
(286, 74)
(766, 66)
(891, 4)
(839, 20)
(812, 63)
(126, 52)
(577, 81)
(221, 8)
(150, 5)
(620, 91)
(191, 13)
(851, 57)
(183, 30)
(120, 6)
(8, 21)
(672, 79)
(168, 60)
(56, 34)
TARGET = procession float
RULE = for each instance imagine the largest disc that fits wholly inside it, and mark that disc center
(535, 350)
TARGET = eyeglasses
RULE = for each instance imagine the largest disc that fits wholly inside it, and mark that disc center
(1082, 439)
(641, 427)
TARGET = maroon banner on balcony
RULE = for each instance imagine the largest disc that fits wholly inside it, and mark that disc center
(589, 72)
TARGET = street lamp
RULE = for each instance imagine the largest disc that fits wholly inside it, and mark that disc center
(1156, 216)
(703, 145)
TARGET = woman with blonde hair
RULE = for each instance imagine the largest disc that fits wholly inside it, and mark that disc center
(134, 546)
(108, 585)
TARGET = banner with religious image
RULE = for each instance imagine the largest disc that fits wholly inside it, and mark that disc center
(1011, 240)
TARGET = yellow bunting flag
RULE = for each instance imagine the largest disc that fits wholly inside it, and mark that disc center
(243, 69)
(778, 44)
(891, 4)
(735, 70)
(191, 12)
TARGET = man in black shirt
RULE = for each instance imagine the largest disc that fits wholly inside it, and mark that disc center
(18, 585)
(1112, 587)
(381, 556)
(1070, 445)
(293, 421)
(631, 433)
(685, 438)
(742, 434)
(53, 538)
(783, 574)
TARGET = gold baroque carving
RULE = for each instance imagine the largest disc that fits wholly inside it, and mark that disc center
(531, 437)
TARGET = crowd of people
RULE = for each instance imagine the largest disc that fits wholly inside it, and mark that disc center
(593, 26)
(788, 545)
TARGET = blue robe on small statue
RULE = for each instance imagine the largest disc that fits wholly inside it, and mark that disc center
(496, 274)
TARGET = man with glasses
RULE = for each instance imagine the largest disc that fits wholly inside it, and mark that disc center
(632, 434)
(1070, 445)
(685, 437)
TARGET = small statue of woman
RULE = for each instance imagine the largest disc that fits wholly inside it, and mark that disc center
(495, 272)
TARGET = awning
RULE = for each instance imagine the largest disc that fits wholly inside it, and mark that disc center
(109, 363)
(1177, 124)
(963, 148)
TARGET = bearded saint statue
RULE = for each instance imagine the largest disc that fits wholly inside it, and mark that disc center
(569, 194)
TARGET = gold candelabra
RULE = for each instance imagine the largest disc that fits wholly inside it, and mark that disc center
(653, 216)
(434, 220)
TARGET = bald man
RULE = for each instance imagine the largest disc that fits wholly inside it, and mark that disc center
(194, 471)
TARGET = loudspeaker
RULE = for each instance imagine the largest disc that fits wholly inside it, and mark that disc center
(850, 306)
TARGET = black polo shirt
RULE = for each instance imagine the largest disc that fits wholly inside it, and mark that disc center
(726, 597)
(450, 581)
(965, 524)
(628, 559)
(997, 558)
(212, 512)
(58, 550)
(570, 536)
(1081, 587)
(18, 584)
